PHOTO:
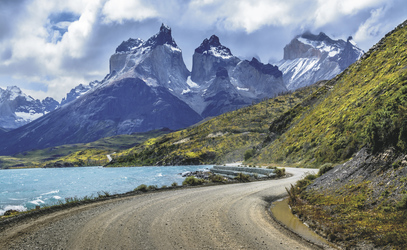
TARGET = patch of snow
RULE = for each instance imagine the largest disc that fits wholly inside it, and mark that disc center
(243, 89)
(174, 49)
(204, 92)
(185, 91)
(191, 83)
(151, 82)
(31, 116)
(220, 53)
(305, 41)
(333, 53)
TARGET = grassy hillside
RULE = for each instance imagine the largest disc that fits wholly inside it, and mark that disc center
(361, 203)
(81, 154)
(225, 138)
(365, 105)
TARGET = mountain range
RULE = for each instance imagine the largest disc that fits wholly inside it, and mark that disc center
(17, 108)
(149, 87)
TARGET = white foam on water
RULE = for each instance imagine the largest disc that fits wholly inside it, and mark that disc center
(52, 192)
(37, 202)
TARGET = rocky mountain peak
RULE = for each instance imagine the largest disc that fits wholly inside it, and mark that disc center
(129, 45)
(213, 47)
(18, 109)
(309, 58)
(266, 68)
(162, 37)
(321, 37)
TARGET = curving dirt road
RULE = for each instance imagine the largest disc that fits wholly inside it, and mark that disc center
(215, 217)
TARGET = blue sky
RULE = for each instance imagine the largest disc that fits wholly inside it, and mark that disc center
(48, 47)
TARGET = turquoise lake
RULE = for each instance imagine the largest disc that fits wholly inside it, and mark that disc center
(23, 189)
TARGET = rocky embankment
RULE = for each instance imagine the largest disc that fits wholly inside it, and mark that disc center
(361, 203)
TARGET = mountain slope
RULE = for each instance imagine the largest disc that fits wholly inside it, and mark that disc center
(80, 154)
(364, 105)
(310, 58)
(123, 107)
(138, 95)
(358, 119)
(222, 139)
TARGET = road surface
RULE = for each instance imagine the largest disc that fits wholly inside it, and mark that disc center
(213, 217)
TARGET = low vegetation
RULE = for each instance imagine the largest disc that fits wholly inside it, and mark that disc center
(192, 181)
(363, 201)
(363, 106)
(222, 139)
(82, 154)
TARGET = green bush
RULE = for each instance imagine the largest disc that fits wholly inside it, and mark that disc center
(217, 178)
(192, 181)
(311, 177)
(242, 177)
(248, 154)
(280, 172)
(174, 184)
(142, 188)
(325, 168)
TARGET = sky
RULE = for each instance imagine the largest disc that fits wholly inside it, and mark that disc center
(47, 47)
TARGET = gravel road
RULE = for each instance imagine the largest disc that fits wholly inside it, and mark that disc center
(213, 217)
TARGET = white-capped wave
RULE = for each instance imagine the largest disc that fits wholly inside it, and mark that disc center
(52, 192)
(37, 202)
(57, 197)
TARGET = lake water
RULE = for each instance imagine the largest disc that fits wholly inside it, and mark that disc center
(23, 189)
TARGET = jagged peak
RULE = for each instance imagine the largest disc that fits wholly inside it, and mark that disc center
(213, 47)
(321, 37)
(129, 45)
(266, 68)
(162, 37)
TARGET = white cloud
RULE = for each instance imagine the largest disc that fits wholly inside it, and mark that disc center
(120, 10)
(329, 11)
(40, 48)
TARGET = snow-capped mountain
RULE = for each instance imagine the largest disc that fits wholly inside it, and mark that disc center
(225, 83)
(149, 87)
(310, 58)
(139, 94)
(79, 91)
(18, 109)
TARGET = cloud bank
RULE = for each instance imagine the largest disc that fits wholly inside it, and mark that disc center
(48, 47)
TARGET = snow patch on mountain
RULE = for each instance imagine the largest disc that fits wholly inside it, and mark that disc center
(310, 58)
(191, 83)
(18, 109)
